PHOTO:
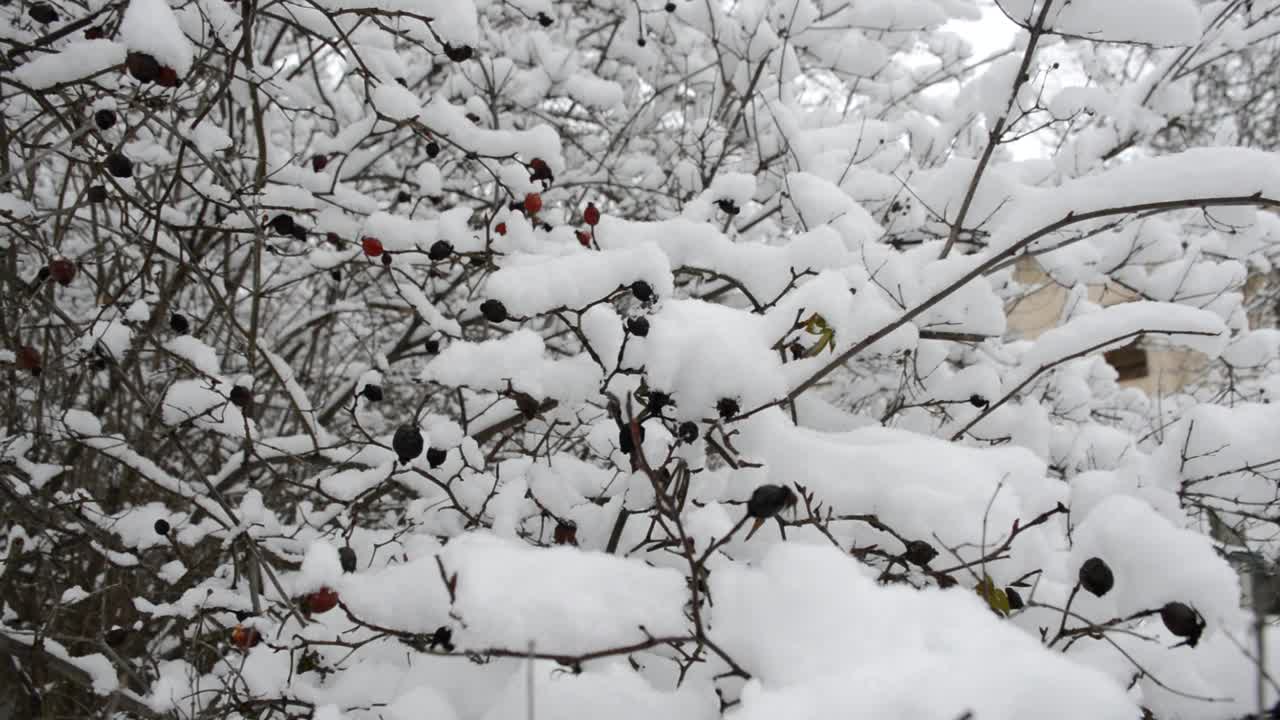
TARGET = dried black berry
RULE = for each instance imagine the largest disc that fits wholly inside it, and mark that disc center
(727, 206)
(179, 324)
(241, 396)
(442, 638)
(1096, 577)
(624, 439)
(386, 259)
(440, 250)
(462, 53)
(97, 194)
(493, 310)
(687, 432)
(347, 557)
(544, 20)
(977, 401)
(436, 456)
(407, 443)
(336, 274)
(669, 7)
(528, 406)
(920, 553)
(642, 291)
(769, 500)
(433, 149)
(43, 13)
(283, 224)
(638, 326)
(432, 346)
(1015, 599)
(372, 393)
(162, 526)
(727, 407)
(116, 635)
(657, 401)
(403, 196)
(143, 67)
(119, 166)
(1182, 621)
(104, 119)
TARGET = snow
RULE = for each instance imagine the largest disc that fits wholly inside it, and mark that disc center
(1142, 548)
(77, 60)
(822, 639)
(783, 179)
(150, 26)
(533, 286)
(1157, 22)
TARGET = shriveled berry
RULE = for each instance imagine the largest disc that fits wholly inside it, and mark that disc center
(591, 215)
(245, 637)
(433, 149)
(493, 310)
(1096, 577)
(162, 526)
(440, 250)
(347, 557)
(116, 635)
(584, 238)
(669, 7)
(322, 600)
(687, 432)
(461, 53)
(532, 203)
(920, 553)
(441, 638)
(241, 396)
(500, 228)
(403, 196)
(407, 442)
(372, 246)
(43, 13)
(566, 533)
(432, 346)
(436, 456)
(283, 224)
(119, 166)
(978, 401)
(727, 407)
(544, 20)
(624, 439)
(657, 401)
(104, 119)
(319, 163)
(1183, 621)
(642, 291)
(769, 500)
(96, 194)
(167, 77)
(179, 324)
(1015, 598)
(372, 393)
(386, 260)
(143, 67)
(638, 326)
(541, 171)
(727, 206)
(62, 270)
(94, 33)
(28, 358)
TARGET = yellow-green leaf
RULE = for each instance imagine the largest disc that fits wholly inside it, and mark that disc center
(996, 598)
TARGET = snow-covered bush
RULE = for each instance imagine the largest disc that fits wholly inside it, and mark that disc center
(491, 360)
